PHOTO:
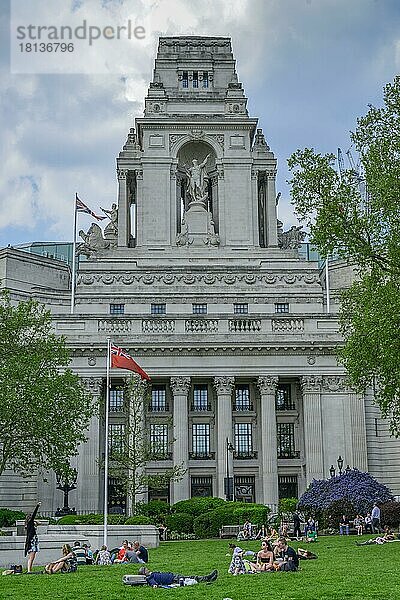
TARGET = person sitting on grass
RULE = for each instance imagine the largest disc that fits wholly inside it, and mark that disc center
(103, 557)
(161, 578)
(265, 558)
(66, 564)
(237, 566)
(121, 552)
(312, 536)
(286, 558)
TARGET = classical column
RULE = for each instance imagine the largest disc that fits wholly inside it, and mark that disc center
(89, 483)
(267, 386)
(123, 209)
(358, 431)
(180, 390)
(272, 232)
(224, 388)
(311, 388)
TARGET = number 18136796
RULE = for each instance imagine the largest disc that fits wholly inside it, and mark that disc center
(46, 47)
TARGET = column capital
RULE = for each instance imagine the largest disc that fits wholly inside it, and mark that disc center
(336, 383)
(93, 385)
(224, 384)
(267, 384)
(180, 385)
(122, 173)
(311, 383)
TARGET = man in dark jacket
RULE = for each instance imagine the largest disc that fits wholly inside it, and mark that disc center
(162, 578)
(296, 525)
(286, 555)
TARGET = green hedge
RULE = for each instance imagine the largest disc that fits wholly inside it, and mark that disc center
(155, 508)
(390, 514)
(232, 513)
(8, 517)
(91, 519)
(139, 520)
(198, 505)
(180, 522)
(287, 505)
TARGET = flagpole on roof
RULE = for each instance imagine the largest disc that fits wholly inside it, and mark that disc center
(73, 260)
(107, 407)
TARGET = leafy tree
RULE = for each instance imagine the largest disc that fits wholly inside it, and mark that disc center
(44, 408)
(362, 227)
(358, 488)
(130, 455)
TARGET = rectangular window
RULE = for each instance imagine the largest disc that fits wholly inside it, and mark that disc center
(201, 439)
(185, 79)
(116, 400)
(158, 399)
(242, 398)
(116, 496)
(159, 439)
(287, 486)
(199, 309)
(117, 309)
(205, 79)
(240, 309)
(201, 486)
(285, 435)
(243, 439)
(200, 398)
(195, 79)
(116, 438)
(283, 397)
(282, 307)
(159, 309)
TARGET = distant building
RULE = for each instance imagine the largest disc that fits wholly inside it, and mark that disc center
(196, 279)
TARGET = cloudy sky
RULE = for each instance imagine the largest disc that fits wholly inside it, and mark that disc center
(309, 68)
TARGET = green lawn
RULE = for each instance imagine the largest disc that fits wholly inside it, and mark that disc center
(342, 571)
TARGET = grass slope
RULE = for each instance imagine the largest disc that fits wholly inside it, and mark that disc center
(342, 571)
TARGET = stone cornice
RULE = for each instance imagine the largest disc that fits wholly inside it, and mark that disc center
(197, 278)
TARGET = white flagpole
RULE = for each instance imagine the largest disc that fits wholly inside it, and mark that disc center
(107, 407)
(73, 261)
(328, 298)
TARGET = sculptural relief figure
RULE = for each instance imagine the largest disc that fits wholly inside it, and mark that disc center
(197, 180)
(291, 239)
(111, 230)
(93, 241)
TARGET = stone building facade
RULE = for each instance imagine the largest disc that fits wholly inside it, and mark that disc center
(199, 283)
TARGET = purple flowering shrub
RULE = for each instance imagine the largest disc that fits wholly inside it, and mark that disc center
(358, 488)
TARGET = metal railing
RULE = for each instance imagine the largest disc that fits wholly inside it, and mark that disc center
(247, 454)
(202, 455)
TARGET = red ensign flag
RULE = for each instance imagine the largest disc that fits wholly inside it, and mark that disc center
(122, 360)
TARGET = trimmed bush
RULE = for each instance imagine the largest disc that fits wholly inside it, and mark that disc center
(139, 520)
(287, 505)
(157, 509)
(91, 519)
(257, 514)
(360, 489)
(390, 514)
(198, 505)
(8, 517)
(208, 524)
(180, 522)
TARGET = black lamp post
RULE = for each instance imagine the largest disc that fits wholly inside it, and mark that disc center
(66, 483)
(332, 470)
(340, 465)
(228, 480)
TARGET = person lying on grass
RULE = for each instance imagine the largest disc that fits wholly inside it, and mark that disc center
(161, 578)
(66, 564)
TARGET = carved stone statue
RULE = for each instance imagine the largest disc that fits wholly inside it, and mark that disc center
(197, 180)
(291, 239)
(182, 238)
(111, 230)
(93, 241)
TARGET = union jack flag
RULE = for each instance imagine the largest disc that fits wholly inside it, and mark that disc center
(123, 360)
(81, 207)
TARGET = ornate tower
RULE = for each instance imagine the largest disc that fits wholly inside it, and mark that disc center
(195, 171)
